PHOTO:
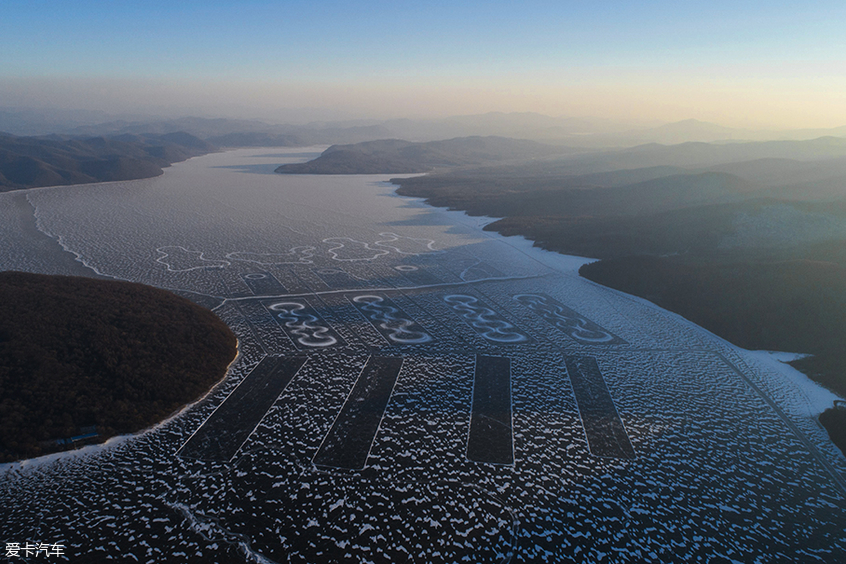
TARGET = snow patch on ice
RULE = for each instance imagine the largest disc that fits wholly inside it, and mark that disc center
(810, 397)
(34, 463)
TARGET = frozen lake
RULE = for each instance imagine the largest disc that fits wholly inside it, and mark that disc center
(412, 389)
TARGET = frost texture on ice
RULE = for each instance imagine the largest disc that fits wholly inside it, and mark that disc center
(728, 461)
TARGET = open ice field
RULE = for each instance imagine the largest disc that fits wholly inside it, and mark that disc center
(412, 389)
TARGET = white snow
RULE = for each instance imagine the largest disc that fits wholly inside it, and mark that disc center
(809, 397)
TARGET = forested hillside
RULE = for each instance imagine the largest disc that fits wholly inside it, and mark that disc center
(118, 356)
(30, 162)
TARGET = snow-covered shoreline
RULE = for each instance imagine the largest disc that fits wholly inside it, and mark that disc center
(808, 399)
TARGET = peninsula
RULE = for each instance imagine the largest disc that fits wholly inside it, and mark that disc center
(81, 356)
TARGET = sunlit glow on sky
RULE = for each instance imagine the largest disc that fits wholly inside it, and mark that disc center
(773, 63)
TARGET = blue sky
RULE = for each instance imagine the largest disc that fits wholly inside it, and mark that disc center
(363, 58)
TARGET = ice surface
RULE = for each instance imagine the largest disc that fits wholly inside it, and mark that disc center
(729, 461)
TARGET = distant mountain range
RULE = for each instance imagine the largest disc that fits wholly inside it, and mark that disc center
(816, 163)
(692, 130)
(27, 162)
(588, 133)
(396, 156)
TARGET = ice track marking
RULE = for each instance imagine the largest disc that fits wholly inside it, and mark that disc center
(484, 320)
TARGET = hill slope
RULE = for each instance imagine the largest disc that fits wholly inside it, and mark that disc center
(397, 156)
(78, 352)
(30, 162)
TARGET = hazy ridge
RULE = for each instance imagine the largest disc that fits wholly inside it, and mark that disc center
(28, 162)
(583, 132)
(395, 155)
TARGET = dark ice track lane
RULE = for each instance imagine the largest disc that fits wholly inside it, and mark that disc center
(231, 424)
(490, 437)
(606, 435)
(348, 442)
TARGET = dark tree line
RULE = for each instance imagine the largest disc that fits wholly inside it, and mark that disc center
(834, 421)
(791, 305)
(78, 352)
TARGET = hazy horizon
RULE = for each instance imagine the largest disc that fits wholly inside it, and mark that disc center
(540, 281)
(751, 64)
